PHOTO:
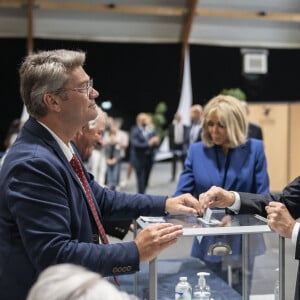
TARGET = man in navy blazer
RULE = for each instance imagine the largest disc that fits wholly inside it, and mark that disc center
(193, 132)
(143, 143)
(44, 215)
(177, 133)
(281, 211)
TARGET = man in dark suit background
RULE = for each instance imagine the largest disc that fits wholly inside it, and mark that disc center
(254, 130)
(177, 132)
(143, 143)
(193, 132)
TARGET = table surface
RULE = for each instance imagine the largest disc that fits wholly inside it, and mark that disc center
(168, 273)
(228, 224)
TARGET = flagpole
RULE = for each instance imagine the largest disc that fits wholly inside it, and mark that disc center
(186, 95)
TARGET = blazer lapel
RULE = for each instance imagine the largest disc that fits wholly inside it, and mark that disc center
(37, 129)
(210, 164)
(237, 160)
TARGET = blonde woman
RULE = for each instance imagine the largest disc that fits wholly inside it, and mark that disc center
(226, 158)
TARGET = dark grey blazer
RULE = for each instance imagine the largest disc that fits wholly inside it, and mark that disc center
(290, 196)
(255, 131)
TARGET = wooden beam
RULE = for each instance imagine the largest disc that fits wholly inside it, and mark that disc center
(30, 26)
(112, 8)
(155, 10)
(186, 28)
(249, 15)
(12, 3)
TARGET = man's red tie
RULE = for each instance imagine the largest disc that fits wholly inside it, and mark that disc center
(75, 163)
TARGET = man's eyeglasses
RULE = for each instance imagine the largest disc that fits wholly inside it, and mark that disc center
(86, 89)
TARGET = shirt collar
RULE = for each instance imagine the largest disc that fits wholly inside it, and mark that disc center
(67, 150)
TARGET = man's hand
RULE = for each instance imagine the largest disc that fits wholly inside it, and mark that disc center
(279, 219)
(216, 197)
(153, 141)
(155, 238)
(183, 204)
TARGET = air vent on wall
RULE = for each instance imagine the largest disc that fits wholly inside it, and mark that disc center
(255, 61)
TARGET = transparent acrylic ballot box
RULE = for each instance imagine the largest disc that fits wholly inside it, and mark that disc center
(261, 259)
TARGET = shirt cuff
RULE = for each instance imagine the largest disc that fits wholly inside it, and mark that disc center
(235, 207)
(295, 233)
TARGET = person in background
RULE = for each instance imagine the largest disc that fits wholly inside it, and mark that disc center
(227, 158)
(73, 282)
(113, 158)
(86, 139)
(89, 136)
(51, 209)
(12, 132)
(177, 132)
(254, 130)
(128, 174)
(143, 143)
(96, 163)
(118, 139)
(11, 136)
(122, 138)
(193, 132)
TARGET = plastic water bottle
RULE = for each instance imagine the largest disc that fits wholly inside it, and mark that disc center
(183, 290)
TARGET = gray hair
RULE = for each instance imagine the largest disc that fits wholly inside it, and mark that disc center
(73, 282)
(231, 113)
(101, 118)
(46, 72)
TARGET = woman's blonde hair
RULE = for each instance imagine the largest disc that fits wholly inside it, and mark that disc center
(231, 114)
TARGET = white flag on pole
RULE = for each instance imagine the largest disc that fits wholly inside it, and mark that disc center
(24, 115)
(183, 109)
(186, 95)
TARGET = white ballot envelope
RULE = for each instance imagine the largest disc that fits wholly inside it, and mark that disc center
(207, 218)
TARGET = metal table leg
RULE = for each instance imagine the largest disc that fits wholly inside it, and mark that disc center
(152, 280)
(245, 265)
(281, 268)
(135, 281)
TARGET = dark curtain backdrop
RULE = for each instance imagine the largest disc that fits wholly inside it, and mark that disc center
(136, 77)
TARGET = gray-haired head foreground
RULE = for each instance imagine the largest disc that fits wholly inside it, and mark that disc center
(73, 282)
